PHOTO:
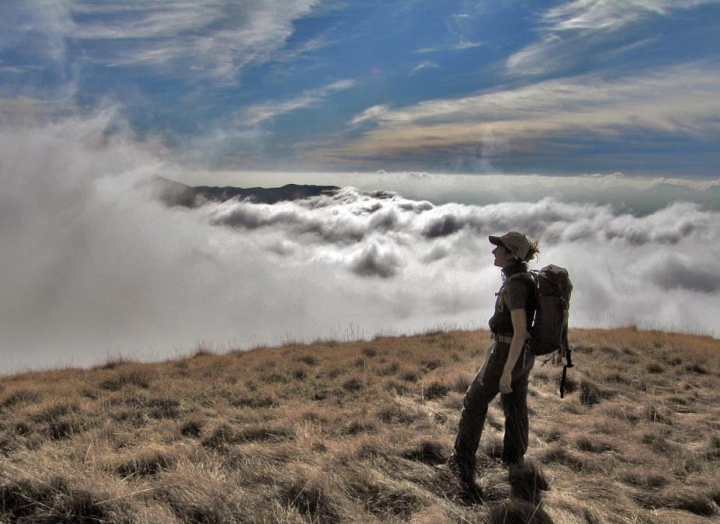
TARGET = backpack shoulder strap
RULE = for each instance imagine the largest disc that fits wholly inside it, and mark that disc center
(528, 276)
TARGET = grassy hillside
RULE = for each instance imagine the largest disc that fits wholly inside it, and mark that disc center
(357, 432)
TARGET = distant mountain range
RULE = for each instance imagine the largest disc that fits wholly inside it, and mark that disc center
(174, 193)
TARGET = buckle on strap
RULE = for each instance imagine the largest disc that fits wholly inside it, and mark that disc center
(507, 339)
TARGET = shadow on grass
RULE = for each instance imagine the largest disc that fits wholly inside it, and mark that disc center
(527, 484)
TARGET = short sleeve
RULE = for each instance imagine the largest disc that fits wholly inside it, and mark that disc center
(516, 295)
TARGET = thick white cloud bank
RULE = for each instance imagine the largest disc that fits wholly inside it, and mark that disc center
(94, 266)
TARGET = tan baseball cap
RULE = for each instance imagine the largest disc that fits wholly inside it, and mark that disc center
(516, 243)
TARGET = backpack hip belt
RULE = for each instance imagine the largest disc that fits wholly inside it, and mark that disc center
(507, 339)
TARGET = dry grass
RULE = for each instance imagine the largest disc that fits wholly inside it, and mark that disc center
(358, 432)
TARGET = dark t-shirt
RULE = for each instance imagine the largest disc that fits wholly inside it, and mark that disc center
(516, 293)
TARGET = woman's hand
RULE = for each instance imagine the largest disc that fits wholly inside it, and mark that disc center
(506, 382)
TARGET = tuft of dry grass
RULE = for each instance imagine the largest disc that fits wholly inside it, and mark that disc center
(359, 432)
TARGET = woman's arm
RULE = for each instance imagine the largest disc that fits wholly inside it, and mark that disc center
(520, 335)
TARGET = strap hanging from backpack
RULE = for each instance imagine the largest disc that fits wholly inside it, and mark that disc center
(569, 364)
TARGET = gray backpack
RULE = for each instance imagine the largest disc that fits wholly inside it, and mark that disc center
(550, 325)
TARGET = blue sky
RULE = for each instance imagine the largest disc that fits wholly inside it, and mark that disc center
(503, 86)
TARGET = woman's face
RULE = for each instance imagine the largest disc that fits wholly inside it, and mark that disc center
(502, 256)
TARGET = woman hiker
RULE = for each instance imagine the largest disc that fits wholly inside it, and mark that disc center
(507, 364)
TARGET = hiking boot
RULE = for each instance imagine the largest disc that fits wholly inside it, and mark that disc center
(462, 468)
(513, 463)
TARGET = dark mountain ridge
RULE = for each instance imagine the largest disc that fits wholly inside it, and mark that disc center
(174, 193)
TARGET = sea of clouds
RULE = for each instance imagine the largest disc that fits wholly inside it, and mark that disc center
(94, 266)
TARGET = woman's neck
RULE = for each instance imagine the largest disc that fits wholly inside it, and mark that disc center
(513, 268)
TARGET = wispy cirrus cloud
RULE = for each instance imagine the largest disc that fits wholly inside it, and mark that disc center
(425, 65)
(217, 38)
(457, 46)
(16, 69)
(460, 32)
(610, 15)
(681, 101)
(37, 28)
(258, 113)
(374, 113)
(568, 29)
(686, 91)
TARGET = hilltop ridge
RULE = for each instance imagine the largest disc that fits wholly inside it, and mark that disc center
(358, 431)
(174, 193)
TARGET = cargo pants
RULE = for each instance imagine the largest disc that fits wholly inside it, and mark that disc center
(478, 396)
